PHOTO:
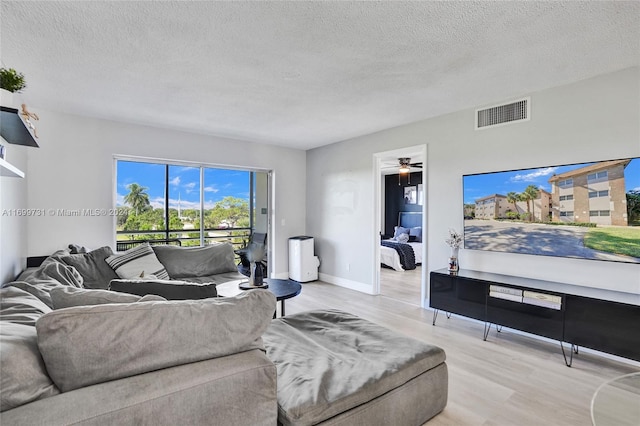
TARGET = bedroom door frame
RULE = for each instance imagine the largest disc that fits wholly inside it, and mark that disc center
(378, 158)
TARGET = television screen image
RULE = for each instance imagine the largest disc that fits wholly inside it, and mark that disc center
(585, 211)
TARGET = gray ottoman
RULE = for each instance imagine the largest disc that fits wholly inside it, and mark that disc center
(335, 368)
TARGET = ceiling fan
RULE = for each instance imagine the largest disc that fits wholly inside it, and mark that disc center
(403, 166)
(406, 165)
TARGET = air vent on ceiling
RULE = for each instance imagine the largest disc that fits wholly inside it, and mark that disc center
(503, 114)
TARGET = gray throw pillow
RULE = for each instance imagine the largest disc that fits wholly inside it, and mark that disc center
(23, 376)
(66, 297)
(182, 262)
(122, 340)
(51, 274)
(92, 266)
(137, 262)
(21, 307)
(77, 248)
(169, 289)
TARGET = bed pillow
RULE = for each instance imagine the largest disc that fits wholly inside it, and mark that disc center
(169, 289)
(123, 340)
(92, 266)
(400, 230)
(417, 233)
(402, 238)
(137, 262)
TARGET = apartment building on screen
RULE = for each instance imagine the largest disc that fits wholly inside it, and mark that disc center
(591, 194)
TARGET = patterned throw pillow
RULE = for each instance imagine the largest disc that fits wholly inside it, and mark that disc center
(402, 238)
(400, 230)
(137, 262)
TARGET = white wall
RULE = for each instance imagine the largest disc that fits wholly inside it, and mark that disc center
(590, 120)
(73, 169)
(13, 229)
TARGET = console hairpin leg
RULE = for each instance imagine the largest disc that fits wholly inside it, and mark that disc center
(574, 349)
(487, 329)
(435, 315)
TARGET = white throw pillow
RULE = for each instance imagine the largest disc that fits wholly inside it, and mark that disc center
(137, 262)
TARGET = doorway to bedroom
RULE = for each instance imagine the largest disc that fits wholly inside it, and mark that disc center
(400, 188)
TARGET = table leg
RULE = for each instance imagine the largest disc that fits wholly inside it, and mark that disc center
(282, 308)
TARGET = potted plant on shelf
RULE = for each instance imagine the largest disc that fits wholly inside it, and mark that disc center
(11, 81)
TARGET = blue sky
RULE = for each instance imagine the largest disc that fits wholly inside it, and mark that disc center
(482, 185)
(184, 184)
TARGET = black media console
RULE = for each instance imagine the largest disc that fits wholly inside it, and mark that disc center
(604, 320)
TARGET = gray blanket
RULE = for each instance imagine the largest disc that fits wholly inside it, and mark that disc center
(330, 361)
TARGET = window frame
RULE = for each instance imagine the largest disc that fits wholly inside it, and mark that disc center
(182, 163)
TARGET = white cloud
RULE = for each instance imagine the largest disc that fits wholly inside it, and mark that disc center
(175, 181)
(189, 187)
(157, 203)
(173, 203)
(211, 189)
(531, 177)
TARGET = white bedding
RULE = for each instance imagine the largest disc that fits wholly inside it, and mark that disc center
(390, 257)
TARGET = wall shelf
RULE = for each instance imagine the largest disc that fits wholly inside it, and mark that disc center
(13, 129)
(9, 170)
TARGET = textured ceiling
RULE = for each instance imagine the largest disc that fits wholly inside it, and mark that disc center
(304, 74)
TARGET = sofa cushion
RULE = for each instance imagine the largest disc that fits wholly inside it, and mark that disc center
(183, 262)
(86, 345)
(137, 262)
(51, 274)
(169, 289)
(23, 377)
(96, 273)
(20, 307)
(66, 297)
(216, 278)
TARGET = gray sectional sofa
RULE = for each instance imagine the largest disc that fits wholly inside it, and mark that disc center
(76, 355)
(75, 348)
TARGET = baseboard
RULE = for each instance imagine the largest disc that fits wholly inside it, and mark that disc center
(280, 275)
(343, 282)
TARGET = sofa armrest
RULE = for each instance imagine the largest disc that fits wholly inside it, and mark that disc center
(237, 389)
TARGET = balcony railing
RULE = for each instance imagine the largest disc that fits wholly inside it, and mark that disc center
(238, 237)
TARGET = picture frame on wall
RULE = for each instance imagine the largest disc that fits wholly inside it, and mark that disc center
(420, 195)
(410, 195)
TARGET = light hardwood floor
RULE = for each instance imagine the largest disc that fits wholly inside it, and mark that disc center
(404, 286)
(511, 379)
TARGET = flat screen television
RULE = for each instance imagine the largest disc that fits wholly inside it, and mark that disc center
(584, 211)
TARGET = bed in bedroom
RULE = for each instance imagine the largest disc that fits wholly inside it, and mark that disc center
(398, 254)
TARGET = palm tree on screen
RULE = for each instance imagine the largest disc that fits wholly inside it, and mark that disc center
(530, 193)
(512, 197)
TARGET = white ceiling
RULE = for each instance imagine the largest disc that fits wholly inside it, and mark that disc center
(305, 74)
